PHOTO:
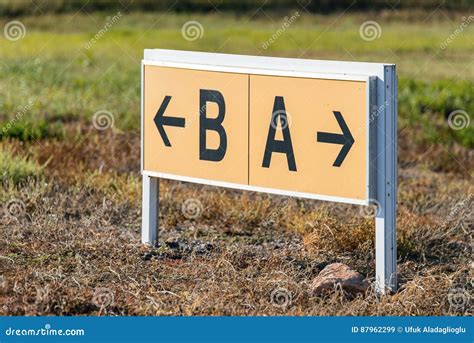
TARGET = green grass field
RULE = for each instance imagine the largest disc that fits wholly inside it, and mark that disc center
(71, 193)
(52, 68)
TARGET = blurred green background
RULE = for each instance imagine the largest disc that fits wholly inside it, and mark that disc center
(56, 75)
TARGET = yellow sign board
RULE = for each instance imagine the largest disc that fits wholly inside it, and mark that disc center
(196, 124)
(301, 135)
(306, 163)
(314, 129)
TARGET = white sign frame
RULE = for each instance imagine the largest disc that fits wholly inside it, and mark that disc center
(381, 141)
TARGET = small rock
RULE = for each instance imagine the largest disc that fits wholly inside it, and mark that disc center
(203, 248)
(339, 274)
(183, 247)
(147, 256)
(174, 245)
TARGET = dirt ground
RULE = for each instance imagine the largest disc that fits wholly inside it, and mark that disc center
(70, 240)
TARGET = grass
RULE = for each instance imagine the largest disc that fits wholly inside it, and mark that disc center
(86, 241)
(77, 240)
(428, 106)
(51, 66)
(71, 245)
(28, 131)
(16, 169)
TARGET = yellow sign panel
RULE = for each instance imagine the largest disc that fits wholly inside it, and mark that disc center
(196, 124)
(296, 139)
(294, 134)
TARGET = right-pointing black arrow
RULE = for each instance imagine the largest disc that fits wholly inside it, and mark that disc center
(345, 139)
(161, 120)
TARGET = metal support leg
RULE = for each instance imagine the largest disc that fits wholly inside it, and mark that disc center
(150, 209)
(385, 261)
(385, 221)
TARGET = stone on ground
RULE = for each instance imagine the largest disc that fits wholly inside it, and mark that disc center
(339, 274)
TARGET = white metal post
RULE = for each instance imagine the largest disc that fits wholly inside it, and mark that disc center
(385, 221)
(150, 209)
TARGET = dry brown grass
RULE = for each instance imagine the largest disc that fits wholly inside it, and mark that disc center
(75, 249)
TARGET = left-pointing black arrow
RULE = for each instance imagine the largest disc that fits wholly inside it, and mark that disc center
(160, 120)
(346, 139)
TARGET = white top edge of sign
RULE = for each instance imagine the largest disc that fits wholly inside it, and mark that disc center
(265, 63)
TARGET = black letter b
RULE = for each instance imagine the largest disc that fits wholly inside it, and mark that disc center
(214, 124)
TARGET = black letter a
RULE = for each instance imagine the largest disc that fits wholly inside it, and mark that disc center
(214, 124)
(284, 146)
